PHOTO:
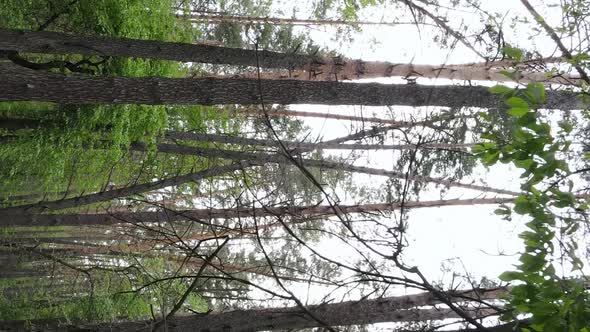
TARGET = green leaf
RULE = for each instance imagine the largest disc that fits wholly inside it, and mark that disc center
(532, 262)
(566, 126)
(511, 75)
(536, 92)
(517, 102)
(518, 111)
(478, 148)
(513, 53)
(510, 276)
(502, 212)
(526, 163)
(491, 157)
(501, 90)
(522, 205)
(564, 199)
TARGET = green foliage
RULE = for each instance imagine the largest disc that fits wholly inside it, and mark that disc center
(513, 53)
(556, 304)
(58, 156)
(82, 148)
(110, 296)
(47, 299)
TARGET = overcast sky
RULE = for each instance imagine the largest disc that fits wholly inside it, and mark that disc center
(463, 239)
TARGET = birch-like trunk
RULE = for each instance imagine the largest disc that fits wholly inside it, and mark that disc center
(301, 67)
(207, 214)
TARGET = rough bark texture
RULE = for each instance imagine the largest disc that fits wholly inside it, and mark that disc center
(206, 214)
(18, 124)
(302, 67)
(21, 84)
(393, 309)
(61, 43)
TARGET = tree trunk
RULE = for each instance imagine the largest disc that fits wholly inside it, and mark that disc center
(277, 113)
(22, 84)
(303, 67)
(122, 192)
(198, 137)
(216, 19)
(391, 309)
(17, 124)
(263, 158)
(206, 214)
(349, 69)
(244, 159)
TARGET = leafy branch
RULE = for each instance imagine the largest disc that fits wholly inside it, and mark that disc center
(553, 302)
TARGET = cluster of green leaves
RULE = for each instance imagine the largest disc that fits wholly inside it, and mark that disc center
(346, 9)
(79, 148)
(56, 157)
(110, 298)
(32, 299)
(554, 303)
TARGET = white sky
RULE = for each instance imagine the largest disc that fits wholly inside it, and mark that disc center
(467, 239)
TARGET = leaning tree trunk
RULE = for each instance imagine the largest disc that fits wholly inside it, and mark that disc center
(108, 195)
(217, 19)
(264, 158)
(320, 115)
(22, 84)
(350, 69)
(391, 309)
(16, 124)
(224, 139)
(302, 67)
(244, 159)
(207, 214)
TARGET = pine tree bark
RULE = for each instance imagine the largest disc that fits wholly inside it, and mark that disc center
(351, 69)
(207, 214)
(62, 43)
(301, 67)
(22, 84)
